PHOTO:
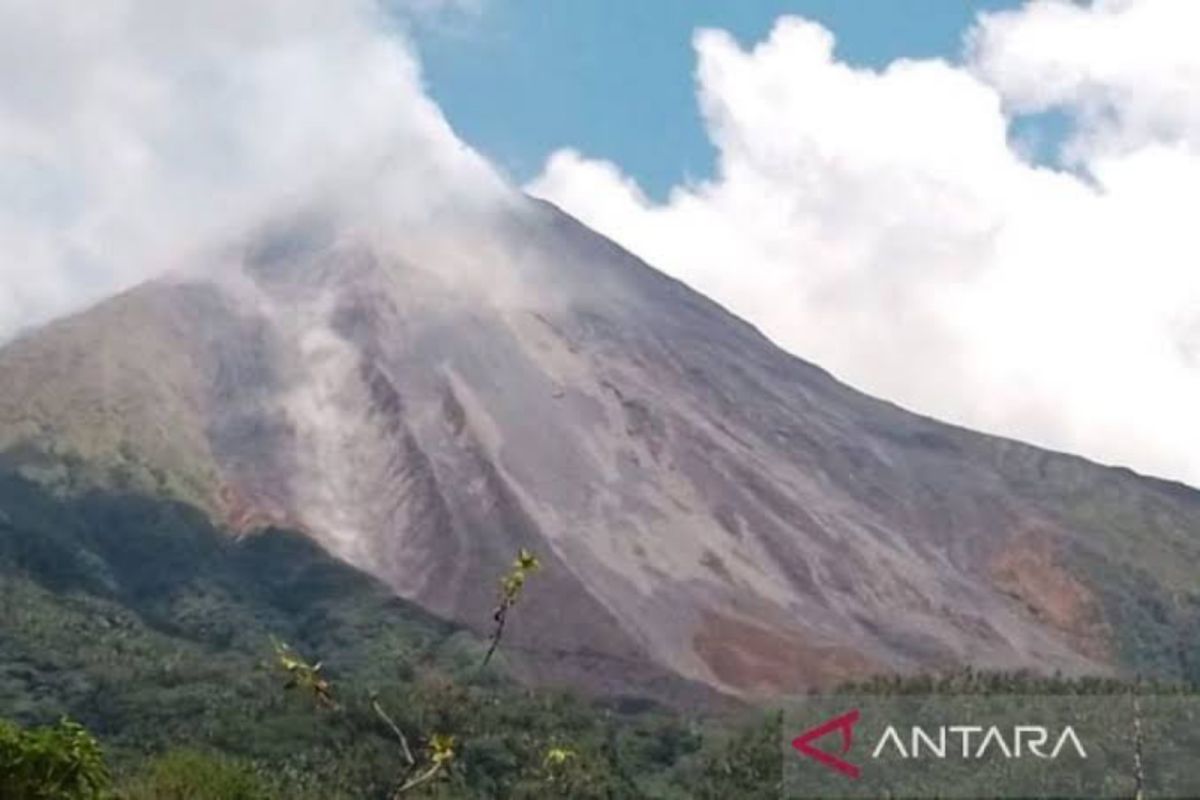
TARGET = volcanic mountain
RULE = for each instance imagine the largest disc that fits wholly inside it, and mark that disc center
(709, 509)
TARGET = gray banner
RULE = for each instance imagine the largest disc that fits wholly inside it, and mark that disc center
(992, 746)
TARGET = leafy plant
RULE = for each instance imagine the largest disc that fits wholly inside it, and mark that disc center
(59, 762)
(304, 676)
(511, 586)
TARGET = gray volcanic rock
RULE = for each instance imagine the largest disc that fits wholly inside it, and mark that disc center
(707, 506)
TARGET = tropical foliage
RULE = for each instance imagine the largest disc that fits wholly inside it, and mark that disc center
(138, 619)
(57, 762)
(164, 636)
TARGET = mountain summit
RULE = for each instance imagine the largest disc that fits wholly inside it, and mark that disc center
(422, 402)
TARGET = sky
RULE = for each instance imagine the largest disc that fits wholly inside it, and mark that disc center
(982, 212)
(519, 79)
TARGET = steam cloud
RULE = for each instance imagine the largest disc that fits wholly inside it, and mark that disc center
(133, 132)
(890, 226)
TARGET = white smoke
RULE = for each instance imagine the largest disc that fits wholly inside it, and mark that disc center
(132, 131)
(883, 223)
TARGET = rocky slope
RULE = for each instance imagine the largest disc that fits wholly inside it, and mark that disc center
(708, 507)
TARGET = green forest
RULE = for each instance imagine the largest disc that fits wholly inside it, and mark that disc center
(146, 654)
(153, 633)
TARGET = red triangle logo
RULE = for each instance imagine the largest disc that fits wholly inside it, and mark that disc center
(844, 723)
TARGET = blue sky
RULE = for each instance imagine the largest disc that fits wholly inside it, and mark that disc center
(614, 79)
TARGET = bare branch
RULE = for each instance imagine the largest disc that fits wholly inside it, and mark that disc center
(424, 777)
(408, 756)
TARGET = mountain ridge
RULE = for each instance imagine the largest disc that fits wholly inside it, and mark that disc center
(709, 505)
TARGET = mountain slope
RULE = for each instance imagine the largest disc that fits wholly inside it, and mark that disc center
(138, 617)
(134, 616)
(422, 403)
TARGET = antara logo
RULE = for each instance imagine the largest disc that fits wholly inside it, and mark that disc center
(967, 742)
(845, 724)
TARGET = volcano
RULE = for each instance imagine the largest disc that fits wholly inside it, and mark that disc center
(713, 513)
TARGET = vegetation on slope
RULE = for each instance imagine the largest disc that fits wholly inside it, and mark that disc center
(136, 618)
(1138, 549)
(139, 620)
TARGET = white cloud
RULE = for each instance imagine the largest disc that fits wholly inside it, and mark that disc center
(132, 131)
(1130, 69)
(880, 223)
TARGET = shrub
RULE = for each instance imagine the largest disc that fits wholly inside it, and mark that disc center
(194, 775)
(59, 762)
